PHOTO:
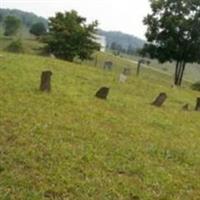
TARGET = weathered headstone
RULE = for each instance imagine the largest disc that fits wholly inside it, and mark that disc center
(122, 78)
(127, 71)
(52, 56)
(102, 93)
(148, 62)
(160, 99)
(138, 67)
(197, 108)
(45, 84)
(108, 65)
(185, 107)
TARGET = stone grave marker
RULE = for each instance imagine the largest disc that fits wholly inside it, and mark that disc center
(45, 84)
(102, 93)
(160, 99)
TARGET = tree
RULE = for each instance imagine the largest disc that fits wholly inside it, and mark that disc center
(12, 25)
(70, 37)
(38, 29)
(173, 33)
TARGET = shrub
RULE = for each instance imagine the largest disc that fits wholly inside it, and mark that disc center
(15, 46)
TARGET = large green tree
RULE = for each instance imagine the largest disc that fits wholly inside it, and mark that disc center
(173, 33)
(70, 36)
(12, 25)
(38, 29)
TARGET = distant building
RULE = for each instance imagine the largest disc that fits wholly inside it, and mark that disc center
(102, 41)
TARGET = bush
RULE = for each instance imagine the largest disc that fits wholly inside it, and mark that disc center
(15, 47)
(196, 86)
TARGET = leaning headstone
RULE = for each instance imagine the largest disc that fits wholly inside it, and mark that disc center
(197, 108)
(108, 65)
(160, 99)
(45, 84)
(138, 67)
(127, 71)
(185, 107)
(52, 56)
(122, 78)
(102, 93)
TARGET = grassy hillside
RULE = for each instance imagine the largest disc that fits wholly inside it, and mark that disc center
(70, 145)
(192, 71)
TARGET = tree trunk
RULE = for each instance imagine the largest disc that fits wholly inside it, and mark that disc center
(179, 71)
(45, 84)
(176, 73)
(181, 74)
(198, 104)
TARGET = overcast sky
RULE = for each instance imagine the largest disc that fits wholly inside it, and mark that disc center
(122, 15)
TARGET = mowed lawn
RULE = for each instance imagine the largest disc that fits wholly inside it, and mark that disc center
(70, 145)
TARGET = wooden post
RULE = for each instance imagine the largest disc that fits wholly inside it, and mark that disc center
(160, 99)
(102, 93)
(198, 104)
(96, 60)
(45, 84)
(138, 67)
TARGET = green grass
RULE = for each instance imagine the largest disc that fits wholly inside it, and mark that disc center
(192, 71)
(70, 145)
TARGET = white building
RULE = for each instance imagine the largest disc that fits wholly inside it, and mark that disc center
(102, 41)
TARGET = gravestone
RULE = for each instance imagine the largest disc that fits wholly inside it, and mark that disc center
(185, 107)
(148, 62)
(127, 71)
(45, 84)
(102, 93)
(138, 67)
(160, 99)
(108, 65)
(122, 78)
(52, 56)
(197, 108)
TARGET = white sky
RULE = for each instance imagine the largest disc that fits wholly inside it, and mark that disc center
(118, 15)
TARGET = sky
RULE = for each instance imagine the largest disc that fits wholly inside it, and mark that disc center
(117, 15)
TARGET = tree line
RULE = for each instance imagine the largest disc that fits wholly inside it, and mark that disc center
(12, 25)
(68, 35)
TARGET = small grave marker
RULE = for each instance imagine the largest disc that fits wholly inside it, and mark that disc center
(108, 65)
(127, 71)
(185, 107)
(102, 93)
(122, 78)
(197, 108)
(45, 84)
(160, 99)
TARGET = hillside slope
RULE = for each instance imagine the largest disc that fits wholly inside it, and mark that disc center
(70, 145)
